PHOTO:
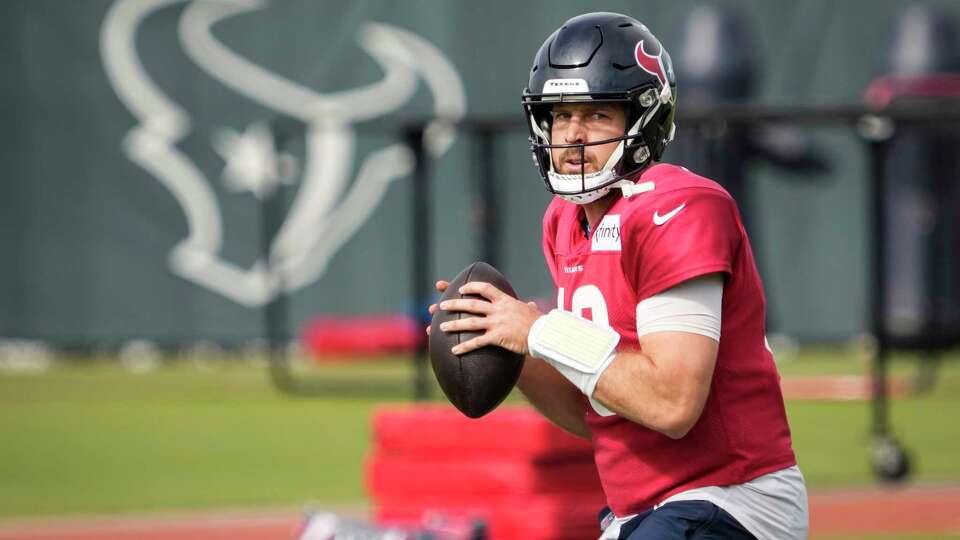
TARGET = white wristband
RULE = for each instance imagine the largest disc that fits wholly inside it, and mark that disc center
(578, 348)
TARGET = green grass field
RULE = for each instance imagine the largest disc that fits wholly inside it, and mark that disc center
(92, 438)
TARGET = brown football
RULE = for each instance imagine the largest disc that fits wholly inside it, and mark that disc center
(478, 381)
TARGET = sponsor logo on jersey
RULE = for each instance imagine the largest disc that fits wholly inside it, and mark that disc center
(565, 86)
(573, 269)
(607, 235)
(660, 220)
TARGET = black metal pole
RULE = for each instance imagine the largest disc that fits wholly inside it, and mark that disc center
(891, 462)
(420, 250)
(488, 217)
(879, 146)
(275, 312)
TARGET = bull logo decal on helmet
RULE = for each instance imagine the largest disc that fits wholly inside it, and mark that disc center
(328, 208)
(652, 64)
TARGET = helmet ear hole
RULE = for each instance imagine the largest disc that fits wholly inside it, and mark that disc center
(647, 98)
(641, 155)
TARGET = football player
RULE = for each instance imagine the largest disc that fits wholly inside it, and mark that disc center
(656, 351)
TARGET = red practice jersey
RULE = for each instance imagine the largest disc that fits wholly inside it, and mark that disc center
(681, 227)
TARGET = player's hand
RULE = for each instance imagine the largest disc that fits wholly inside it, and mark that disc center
(505, 321)
(441, 286)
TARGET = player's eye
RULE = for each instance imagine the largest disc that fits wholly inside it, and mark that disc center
(600, 116)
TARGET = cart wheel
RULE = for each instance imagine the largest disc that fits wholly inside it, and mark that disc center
(891, 463)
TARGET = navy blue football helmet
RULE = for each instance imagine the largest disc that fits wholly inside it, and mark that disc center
(602, 57)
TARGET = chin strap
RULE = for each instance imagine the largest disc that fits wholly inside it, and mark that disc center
(631, 188)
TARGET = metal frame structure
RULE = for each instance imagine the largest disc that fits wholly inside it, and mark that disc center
(874, 126)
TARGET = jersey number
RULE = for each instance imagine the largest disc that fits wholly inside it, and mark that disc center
(587, 302)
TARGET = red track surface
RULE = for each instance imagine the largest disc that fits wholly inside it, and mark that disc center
(838, 387)
(839, 513)
(894, 511)
(274, 526)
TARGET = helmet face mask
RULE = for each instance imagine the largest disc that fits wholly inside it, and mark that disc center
(601, 58)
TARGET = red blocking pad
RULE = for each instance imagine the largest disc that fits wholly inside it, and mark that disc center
(388, 475)
(507, 518)
(341, 337)
(431, 432)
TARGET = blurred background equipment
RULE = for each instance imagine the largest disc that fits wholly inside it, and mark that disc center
(199, 191)
(512, 469)
(717, 64)
(434, 526)
(915, 273)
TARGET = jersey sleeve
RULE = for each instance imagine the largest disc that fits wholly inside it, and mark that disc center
(687, 233)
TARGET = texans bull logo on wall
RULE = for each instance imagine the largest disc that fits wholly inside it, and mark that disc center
(327, 209)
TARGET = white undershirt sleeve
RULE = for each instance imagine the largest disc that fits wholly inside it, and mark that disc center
(692, 306)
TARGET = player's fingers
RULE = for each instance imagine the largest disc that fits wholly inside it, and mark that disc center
(469, 323)
(485, 290)
(428, 329)
(467, 304)
(432, 309)
(442, 285)
(471, 345)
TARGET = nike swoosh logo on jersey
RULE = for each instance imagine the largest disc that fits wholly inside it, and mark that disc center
(660, 220)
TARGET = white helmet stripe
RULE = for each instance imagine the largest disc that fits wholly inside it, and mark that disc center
(648, 114)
